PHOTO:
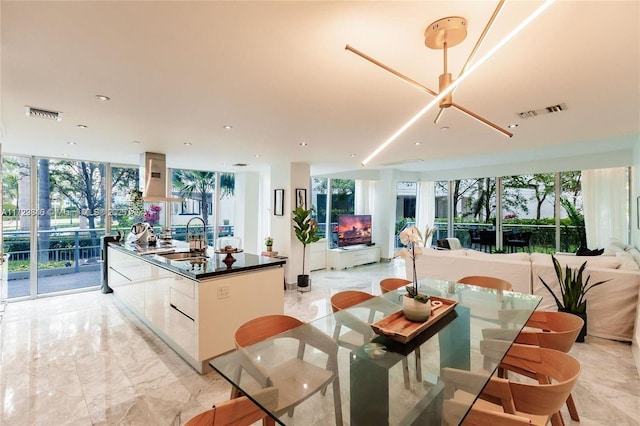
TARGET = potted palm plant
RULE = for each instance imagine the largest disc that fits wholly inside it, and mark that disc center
(573, 290)
(306, 230)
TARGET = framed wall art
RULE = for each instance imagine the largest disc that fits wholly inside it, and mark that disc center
(278, 202)
(301, 198)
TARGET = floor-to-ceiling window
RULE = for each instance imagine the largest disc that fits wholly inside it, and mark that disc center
(198, 189)
(441, 189)
(226, 204)
(474, 211)
(124, 181)
(17, 221)
(537, 212)
(572, 226)
(319, 204)
(528, 212)
(406, 195)
(207, 195)
(342, 202)
(70, 222)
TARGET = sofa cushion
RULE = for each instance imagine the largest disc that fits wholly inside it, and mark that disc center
(608, 262)
(627, 262)
(499, 256)
(451, 265)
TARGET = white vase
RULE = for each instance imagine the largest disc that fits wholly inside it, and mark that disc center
(415, 311)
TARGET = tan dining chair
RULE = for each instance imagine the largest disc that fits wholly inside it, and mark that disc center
(287, 375)
(538, 402)
(348, 299)
(391, 284)
(344, 300)
(553, 330)
(239, 411)
(487, 282)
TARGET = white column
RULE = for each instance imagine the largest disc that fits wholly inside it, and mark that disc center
(247, 211)
(384, 215)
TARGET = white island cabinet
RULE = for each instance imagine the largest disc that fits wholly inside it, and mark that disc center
(197, 316)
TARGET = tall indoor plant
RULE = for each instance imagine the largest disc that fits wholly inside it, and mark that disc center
(306, 230)
(573, 290)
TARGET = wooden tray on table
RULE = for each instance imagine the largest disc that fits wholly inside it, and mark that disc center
(397, 327)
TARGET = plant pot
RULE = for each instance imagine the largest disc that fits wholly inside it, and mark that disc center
(269, 248)
(415, 311)
(304, 281)
(583, 331)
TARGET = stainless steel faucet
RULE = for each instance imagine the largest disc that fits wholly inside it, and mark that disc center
(204, 236)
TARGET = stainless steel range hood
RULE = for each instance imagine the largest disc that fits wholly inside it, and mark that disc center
(153, 168)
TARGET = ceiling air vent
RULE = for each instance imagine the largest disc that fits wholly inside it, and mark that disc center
(547, 110)
(42, 113)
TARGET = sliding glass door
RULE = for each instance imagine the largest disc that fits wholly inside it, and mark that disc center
(71, 224)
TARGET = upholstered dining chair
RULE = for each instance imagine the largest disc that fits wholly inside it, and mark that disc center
(239, 411)
(287, 375)
(552, 330)
(538, 402)
(487, 282)
(391, 284)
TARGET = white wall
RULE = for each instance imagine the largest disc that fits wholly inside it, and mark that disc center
(635, 240)
(247, 212)
(383, 217)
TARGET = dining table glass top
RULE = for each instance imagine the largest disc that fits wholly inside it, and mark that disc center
(380, 381)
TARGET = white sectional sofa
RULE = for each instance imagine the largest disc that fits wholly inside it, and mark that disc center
(611, 307)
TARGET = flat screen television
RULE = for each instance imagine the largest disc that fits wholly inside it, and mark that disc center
(354, 229)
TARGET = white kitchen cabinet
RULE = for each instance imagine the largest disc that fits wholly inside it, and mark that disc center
(197, 318)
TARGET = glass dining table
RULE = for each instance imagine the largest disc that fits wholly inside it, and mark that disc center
(382, 381)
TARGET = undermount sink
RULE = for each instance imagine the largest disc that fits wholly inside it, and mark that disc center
(184, 256)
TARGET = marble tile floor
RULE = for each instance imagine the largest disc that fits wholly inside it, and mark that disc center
(82, 359)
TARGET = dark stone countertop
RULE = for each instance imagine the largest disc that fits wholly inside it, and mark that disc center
(199, 267)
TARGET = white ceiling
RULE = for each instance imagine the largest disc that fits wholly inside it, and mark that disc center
(278, 73)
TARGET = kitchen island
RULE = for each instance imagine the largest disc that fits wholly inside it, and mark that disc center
(195, 302)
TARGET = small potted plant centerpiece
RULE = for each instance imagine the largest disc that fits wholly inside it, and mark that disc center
(416, 306)
(572, 290)
(306, 230)
(268, 242)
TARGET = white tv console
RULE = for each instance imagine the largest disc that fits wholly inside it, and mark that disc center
(342, 258)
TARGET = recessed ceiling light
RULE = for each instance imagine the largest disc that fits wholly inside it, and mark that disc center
(82, 126)
(353, 156)
(103, 97)
(418, 143)
(71, 143)
(444, 128)
(257, 155)
(136, 142)
(227, 126)
(187, 144)
(303, 144)
(512, 126)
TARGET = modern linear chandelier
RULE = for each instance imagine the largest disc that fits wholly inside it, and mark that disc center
(443, 34)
